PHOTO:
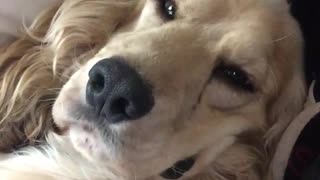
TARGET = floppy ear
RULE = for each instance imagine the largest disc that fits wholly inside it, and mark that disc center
(282, 112)
(283, 3)
(291, 87)
(287, 105)
(32, 69)
(291, 93)
(80, 26)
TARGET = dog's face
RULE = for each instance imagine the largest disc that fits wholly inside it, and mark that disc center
(179, 79)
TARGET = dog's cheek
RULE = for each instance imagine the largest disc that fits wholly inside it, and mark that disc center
(88, 143)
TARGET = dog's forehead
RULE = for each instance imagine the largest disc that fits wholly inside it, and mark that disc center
(224, 13)
(203, 9)
(213, 10)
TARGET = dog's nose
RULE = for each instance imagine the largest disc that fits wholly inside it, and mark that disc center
(117, 92)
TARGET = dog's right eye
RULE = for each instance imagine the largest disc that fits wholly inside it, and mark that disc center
(167, 8)
(234, 76)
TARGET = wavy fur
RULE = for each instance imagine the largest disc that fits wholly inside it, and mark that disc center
(34, 68)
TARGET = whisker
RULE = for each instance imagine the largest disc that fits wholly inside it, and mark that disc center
(176, 170)
(282, 38)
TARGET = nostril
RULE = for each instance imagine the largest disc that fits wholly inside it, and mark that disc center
(116, 92)
(119, 106)
(97, 83)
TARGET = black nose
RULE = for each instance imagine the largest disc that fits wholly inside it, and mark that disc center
(117, 92)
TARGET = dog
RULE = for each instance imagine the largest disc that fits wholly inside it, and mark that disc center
(151, 89)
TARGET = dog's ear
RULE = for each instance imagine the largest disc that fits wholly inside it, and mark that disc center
(285, 107)
(21, 70)
(290, 97)
(288, 72)
(282, 112)
(82, 25)
(279, 3)
(32, 68)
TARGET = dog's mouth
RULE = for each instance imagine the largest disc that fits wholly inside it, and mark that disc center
(179, 168)
(176, 171)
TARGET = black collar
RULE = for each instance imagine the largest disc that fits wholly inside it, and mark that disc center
(178, 169)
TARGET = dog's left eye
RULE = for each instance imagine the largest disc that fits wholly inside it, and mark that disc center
(167, 8)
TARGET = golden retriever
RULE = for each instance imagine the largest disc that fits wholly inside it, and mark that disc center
(150, 89)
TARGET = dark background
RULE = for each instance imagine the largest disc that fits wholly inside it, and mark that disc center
(304, 162)
(307, 12)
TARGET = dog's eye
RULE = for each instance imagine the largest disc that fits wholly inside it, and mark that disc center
(234, 76)
(167, 8)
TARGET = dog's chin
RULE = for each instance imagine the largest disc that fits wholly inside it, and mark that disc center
(88, 142)
(106, 151)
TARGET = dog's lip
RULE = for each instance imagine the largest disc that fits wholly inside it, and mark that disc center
(179, 168)
(60, 129)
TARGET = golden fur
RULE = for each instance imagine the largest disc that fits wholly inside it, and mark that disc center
(233, 133)
(32, 67)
